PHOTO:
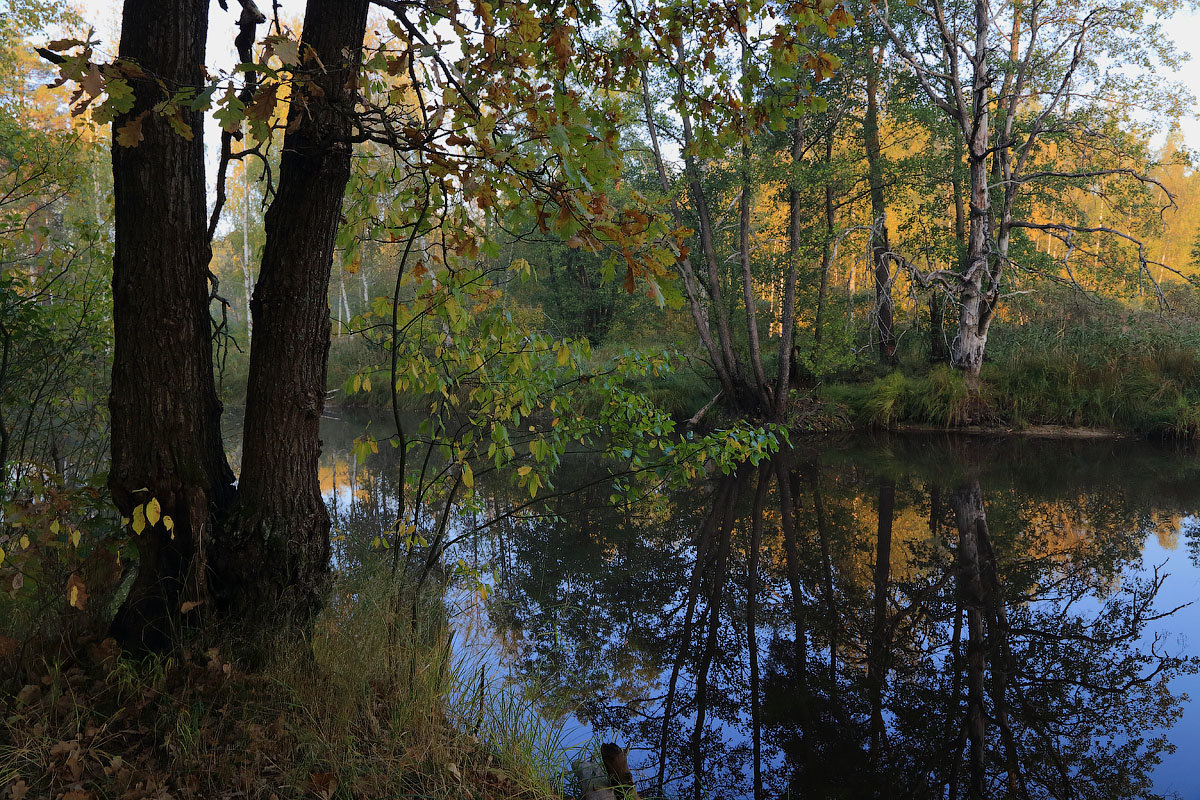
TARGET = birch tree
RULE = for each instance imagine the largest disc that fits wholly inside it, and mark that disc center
(1025, 82)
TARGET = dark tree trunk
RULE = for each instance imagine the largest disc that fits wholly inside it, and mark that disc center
(166, 441)
(939, 352)
(880, 247)
(276, 559)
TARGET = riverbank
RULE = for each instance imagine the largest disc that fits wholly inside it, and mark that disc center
(369, 711)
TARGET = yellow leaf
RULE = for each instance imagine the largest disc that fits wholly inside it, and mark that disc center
(55, 527)
(1, 555)
(564, 355)
(468, 477)
(76, 592)
(139, 519)
(523, 471)
(75, 536)
(153, 511)
(24, 542)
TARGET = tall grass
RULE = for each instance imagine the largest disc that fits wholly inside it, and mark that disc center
(378, 703)
(1056, 359)
(1077, 361)
(939, 397)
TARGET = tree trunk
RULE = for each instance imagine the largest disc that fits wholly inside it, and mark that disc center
(166, 438)
(691, 286)
(939, 353)
(827, 256)
(247, 283)
(704, 219)
(880, 247)
(275, 561)
(756, 365)
(787, 347)
(975, 313)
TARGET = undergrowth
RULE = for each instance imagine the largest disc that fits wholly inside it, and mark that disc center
(373, 707)
(1066, 360)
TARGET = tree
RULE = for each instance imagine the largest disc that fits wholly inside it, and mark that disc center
(166, 436)
(276, 551)
(262, 560)
(1056, 62)
(717, 111)
(496, 143)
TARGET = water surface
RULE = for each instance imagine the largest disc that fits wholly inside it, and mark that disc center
(866, 616)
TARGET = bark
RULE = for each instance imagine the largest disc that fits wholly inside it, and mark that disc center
(756, 365)
(880, 247)
(5, 347)
(787, 347)
(704, 218)
(276, 557)
(976, 305)
(247, 283)
(939, 353)
(827, 256)
(166, 438)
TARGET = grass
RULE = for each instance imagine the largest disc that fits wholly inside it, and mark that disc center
(939, 397)
(1056, 360)
(374, 708)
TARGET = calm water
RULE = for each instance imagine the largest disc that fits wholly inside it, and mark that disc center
(915, 616)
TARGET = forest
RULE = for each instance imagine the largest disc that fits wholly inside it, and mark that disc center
(734, 398)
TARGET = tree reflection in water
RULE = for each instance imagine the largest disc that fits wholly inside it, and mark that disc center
(906, 618)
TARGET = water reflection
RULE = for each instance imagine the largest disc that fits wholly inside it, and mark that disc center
(907, 618)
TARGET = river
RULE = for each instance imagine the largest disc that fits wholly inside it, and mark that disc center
(863, 616)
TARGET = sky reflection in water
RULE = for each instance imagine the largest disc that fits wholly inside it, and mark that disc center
(930, 614)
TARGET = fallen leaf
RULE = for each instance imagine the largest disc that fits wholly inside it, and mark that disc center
(324, 784)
